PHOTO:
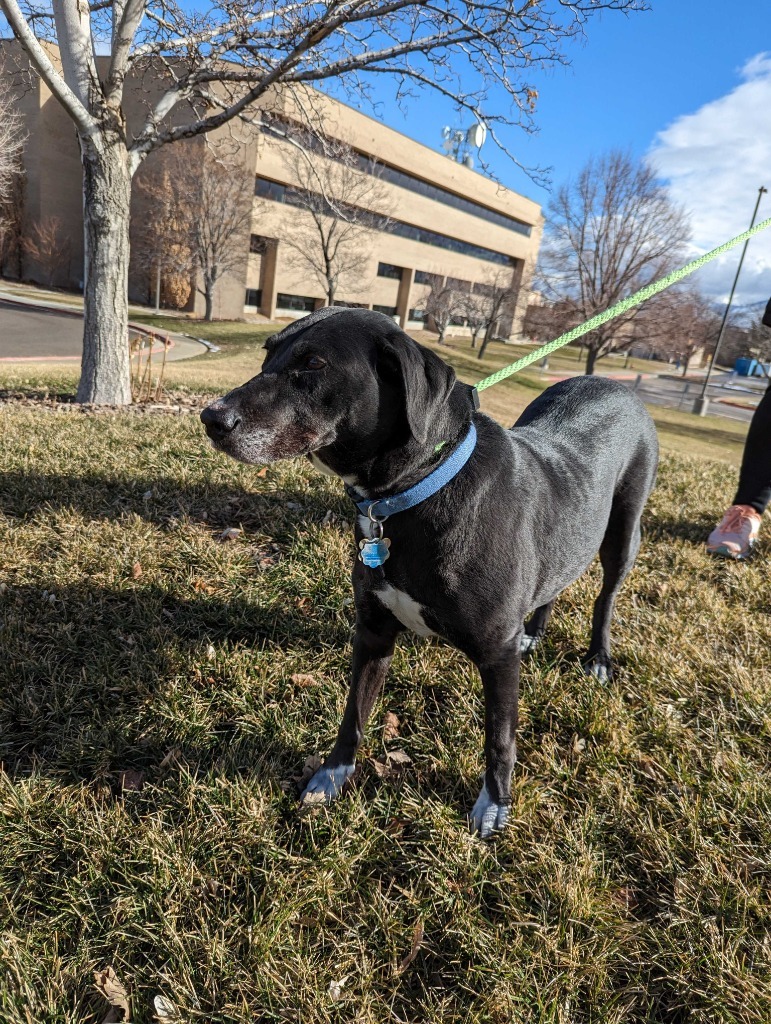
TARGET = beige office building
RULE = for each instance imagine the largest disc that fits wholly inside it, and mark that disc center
(446, 221)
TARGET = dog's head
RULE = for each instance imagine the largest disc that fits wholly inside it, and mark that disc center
(346, 379)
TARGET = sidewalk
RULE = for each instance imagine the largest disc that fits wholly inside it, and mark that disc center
(32, 331)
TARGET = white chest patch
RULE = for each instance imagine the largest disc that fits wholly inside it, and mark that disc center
(407, 611)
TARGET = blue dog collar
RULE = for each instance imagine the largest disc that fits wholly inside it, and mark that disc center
(381, 508)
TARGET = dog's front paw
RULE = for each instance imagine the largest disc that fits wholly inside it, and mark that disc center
(487, 816)
(600, 666)
(527, 644)
(326, 784)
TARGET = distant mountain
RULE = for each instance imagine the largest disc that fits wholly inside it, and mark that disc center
(742, 316)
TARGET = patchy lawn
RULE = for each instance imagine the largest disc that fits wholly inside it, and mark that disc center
(163, 687)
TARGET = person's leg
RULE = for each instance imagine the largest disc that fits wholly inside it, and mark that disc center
(736, 534)
(755, 475)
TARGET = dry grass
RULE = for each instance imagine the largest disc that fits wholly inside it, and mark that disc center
(151, 733)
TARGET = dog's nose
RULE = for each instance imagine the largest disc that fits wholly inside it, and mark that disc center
(220, 420)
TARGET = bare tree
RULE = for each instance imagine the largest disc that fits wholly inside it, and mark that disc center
(759, 340)
(161, 234)
(11, 179)
(11, 142)
(610, 232)
(444, 305)
(499, 298)
(681, 324)
(219, 239)
(344, 203)
(546, 321)
(11, 225)
(50, 248)
(208, 64)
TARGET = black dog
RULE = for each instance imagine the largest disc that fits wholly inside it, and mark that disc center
(518, 522)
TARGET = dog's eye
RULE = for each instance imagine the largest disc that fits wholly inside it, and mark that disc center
(315, 363)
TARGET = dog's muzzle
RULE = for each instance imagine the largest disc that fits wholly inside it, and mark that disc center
(220, 421)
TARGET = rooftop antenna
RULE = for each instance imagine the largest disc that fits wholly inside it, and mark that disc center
(459, 142)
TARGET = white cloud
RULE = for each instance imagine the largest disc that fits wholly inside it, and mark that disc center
(715, 160)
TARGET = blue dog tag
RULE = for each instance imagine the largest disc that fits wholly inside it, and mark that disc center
(374, 552)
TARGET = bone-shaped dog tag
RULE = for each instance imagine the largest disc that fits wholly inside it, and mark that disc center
(374, 552)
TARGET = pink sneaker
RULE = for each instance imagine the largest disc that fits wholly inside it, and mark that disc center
(737, 533)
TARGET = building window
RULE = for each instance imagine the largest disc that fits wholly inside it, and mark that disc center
(388, 310)
(418, 315)
(253, 297)
(386, 172)
(268, 189)
(300, 303)
(350, 305)
(389, 270)
(258, 244)
(458, 284)
(423, 277)
(458, 321)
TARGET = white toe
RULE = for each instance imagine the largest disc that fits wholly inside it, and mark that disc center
(326, 784)
(487, 816)
(528, 643)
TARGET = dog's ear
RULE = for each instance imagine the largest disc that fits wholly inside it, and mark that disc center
(426, 380)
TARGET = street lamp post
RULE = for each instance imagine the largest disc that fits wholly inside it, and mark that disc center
(701, 405)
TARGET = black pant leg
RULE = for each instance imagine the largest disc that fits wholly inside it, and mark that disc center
(755, 475)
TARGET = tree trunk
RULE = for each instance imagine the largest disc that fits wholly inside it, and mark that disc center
(591, 359)
(685, 364)
(474, 339)
(485, 342)
(208, 298)
(105, 373)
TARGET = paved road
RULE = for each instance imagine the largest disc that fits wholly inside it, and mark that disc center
(734, 399)
(35, 334)
(38, 334)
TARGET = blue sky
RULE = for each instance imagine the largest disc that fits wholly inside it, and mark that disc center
(687, 82)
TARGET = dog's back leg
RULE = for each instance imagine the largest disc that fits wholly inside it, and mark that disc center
(535, 627)
(500, 680)
(617, 554)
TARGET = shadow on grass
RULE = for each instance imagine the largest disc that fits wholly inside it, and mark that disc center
(159, 499)
(100, 680)
(694, 530)
(708, 434)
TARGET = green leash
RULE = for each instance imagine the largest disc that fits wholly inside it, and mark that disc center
(620, 307)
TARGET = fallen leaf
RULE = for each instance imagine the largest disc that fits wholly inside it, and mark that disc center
(211, 652)
(311, 766)
(417, 939)
(392, 764)
(201, 587)
(390, 726)
(294, 506)
(335, 989)
(303, 603)
(131, 781)
(147, 495)
(263, 471)
(136, 570)
(111, 987)
(328, 518)
(165, 1009)
(578, 745)
(232, 533)
(398, 758)
(303, 680)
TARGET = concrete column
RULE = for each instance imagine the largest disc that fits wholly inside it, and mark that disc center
(403, 296)
(268, 279)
